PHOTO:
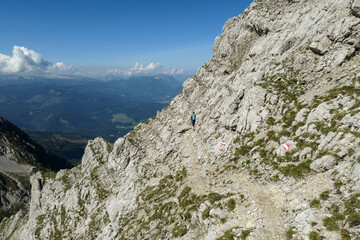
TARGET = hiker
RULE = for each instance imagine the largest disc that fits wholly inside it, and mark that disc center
(193, 120)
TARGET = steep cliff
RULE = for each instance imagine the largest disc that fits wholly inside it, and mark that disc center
(281, 72)
(20, 157)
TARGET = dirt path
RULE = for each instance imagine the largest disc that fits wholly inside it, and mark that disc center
(271, 220)
(267, 216)
(197, 177)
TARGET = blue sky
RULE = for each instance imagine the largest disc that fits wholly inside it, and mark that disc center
(99, 37)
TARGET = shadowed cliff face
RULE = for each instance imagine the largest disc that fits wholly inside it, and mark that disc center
(17, 146)
(19, 158)
(281, 72)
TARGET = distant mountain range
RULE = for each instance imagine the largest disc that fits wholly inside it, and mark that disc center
(84, 105)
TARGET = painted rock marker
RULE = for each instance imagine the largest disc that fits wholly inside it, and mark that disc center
(286, 146)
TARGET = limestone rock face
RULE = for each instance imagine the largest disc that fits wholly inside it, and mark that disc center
(274, 154)
(324, 163)
(355, 8)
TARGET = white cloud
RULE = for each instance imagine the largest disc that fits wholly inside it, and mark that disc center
(139, 68)
(60, 67)
(180, 72)
(114, 71)
(152, 68)
(22, 60)
(26, 60)
(173, 71)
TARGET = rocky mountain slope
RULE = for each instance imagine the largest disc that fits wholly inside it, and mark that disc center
(281, 72)
(20, 157)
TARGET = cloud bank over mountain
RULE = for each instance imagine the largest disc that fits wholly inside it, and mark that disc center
(60, 66)
(22, 60)
(137, 69)
(27, 61)
(140, 69)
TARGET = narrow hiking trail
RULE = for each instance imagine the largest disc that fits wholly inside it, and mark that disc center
(262, 210)
(197, 176)
(260, 207)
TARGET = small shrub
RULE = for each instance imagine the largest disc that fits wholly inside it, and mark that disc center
(339, 216)
(131, 140)
(285, 133)
(276, 178)
(334, 209)
(330, 224)
(353, 219)
(289, 118)
(223, 220)
(289, 233)
(259, 142)
(350, 152)
(237, 140)
(296, 171)
(179, 230)
(228, 235)
(315, 203)
(295, 127)
(187, 215)
(214, 197)
(49, 175)
(249, 135)
(352, 204)
(324, 195)
(263, 153)
(337, 185)
(345, 235)
(181, 174)
(231, 204)
(271, 121)
(271, 135)
(206, 213)
(235, 159)
(243, 150)
(255, 172)
(314, 236)
(184, 192)
(245, 234)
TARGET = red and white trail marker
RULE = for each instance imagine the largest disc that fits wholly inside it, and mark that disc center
(199, 123)
(222, 143)
(286, 146)
(187, 106)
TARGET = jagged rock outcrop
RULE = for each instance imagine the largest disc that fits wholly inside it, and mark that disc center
(281, 72)
(19, 158)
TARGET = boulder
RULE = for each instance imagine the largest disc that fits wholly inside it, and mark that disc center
(304, 220)
(355, 8)
(318, 48)
(324, 163)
